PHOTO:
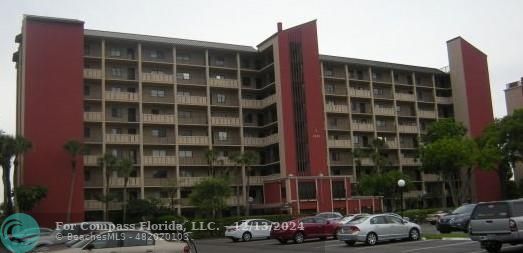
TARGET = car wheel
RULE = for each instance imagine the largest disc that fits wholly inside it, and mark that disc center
(372, 239)
(299, 237)
(414, 234)
(246, 236)
(493, 247)
(235, 239)
(350, 243)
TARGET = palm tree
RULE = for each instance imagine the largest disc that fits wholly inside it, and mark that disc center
(108, 161)
(21, 146)
(247, 159)
(211, 159)
(125, 168)
(7, 151)
(74, 148)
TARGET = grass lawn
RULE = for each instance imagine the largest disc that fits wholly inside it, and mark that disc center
(440, 236)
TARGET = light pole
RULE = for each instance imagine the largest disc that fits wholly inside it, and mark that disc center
(401, 185)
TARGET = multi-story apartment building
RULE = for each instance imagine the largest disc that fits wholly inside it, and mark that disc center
(164, 102)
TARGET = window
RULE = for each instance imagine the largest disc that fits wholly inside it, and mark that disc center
(161, 173)
(87, 132)
(329, 88)
(329, 71)
(116, 72)
(183, 76)
(159, 132)
(307, 190)
(222, 136)
(378, 91)
(378, 220)
(356, 139)
(376, 76)
(155, 111)
(184, 93)
(131, 131)
(335, 156)
(219, 77)
(517, 209)
(220, 61)
(393, 220)
(185, 153)
(184, 114)
(490, 211)
(380, 123)
(87, 49)
(156, 54)
(398, 108)
(87, 90)
(246, 81)
(220, 98)
(115, 52)
(116, 112)
(116, 131)
(185, 132)
(183, 57)
(159, 152)
(157, 93)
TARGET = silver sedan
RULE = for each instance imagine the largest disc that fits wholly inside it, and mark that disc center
(376, 228)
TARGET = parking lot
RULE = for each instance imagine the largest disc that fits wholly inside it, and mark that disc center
(423, 246)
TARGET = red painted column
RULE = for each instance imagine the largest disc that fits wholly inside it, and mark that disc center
(53, 113)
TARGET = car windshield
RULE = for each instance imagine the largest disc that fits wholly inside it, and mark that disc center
(463, 209)
(325, 215)
(358, 220)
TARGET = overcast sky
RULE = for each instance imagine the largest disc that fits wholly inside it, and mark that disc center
(408, 32)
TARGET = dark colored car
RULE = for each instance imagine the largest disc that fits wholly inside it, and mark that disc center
(304, 228)
(457, 220)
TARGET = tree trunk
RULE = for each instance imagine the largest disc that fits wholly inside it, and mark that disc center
(8, 200)
(71, 191)
(125, 181)
(106, 197)
(247, 187)
(453, 193)
(238, 198)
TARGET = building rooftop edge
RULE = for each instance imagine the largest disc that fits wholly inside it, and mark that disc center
(52, 19)
(380, 64)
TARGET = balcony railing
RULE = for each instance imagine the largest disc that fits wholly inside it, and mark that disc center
(362, 126)
(93, 116)
(91, 160)
(152, 182)
(223, 83)
(157, 78)
(410, 161)
(119, 182)
(93, 73)
(193, 140)
(197, 120)
(337, 108)
(444, 100)
(259, 104)
(98, 205)
(261, 141)
(392, 143)
(384, 111)
(190, 181)
(225, 121)
(342, 161)
(195, 160)
(359, 93)
(366, 161)
(340, 143)
(191, 100)
(122, 138)
(159, 160)
(408, 128)
(122, 96)
(426, 114)
(158, 118)
(405, 96)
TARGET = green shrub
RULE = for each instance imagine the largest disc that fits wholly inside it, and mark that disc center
(419, 215)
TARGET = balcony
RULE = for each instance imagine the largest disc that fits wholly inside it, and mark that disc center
(225, 121)
(366, 161)
(405, 96)
(195, 160)
(157, 77)
(91, 160)
(336, 108)
(122, 138)
(154, 140)
(158, 182)
(190, 181)
(359, 93)
(410, 161)
(193, 140)
(408, 129)
(191, 100)
(93, 116)
(223, 83)
(343, 161)
(362, 126)
(98, 205)
(444, 100)
(388, 111)
(261, 141)
(426, 114)
(340, 143)
(119, 182)
(93, 73)
(258, 104)
(391, 143)
(158, 118)
(159, 160)
(196, 120)
(122, 96)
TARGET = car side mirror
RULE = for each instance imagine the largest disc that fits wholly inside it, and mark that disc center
(89, 246)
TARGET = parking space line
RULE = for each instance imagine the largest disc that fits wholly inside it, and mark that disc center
(437, 247)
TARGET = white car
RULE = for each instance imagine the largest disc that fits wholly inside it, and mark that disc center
(247, 230)
(61, 236)
(128, 241)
